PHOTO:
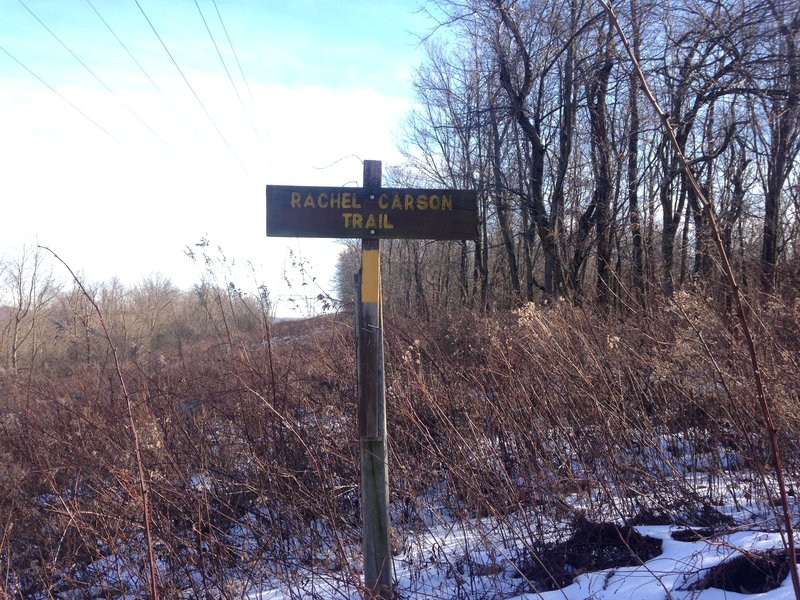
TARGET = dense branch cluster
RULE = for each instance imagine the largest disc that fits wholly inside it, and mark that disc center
(537, 418)
(537, 107)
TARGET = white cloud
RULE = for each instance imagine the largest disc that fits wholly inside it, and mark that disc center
(128, 208)
(323, 90)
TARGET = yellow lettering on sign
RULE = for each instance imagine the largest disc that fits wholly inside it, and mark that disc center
(370, 221)
(350, 202)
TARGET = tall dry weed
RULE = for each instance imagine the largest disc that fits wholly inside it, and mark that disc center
(525, 421)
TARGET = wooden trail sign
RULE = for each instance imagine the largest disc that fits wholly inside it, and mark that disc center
(372, 213)
(388, 213)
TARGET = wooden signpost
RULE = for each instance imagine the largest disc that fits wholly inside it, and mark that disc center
(372, 213)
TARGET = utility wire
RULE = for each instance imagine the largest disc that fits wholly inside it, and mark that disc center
(124, 47)
(194, 93)
(144, 72)
(57, 93)
(93, 74)
(228, 73)
(236, 56)
(241, 71)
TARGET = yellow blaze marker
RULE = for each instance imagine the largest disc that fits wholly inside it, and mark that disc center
(370, 276)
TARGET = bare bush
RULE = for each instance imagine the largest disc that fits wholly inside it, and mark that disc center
(520, 423)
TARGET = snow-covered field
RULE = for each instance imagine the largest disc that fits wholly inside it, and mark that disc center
(478, 560)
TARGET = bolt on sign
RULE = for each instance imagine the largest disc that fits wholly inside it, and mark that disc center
(382, 213)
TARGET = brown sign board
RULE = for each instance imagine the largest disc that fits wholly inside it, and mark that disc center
(387, 213)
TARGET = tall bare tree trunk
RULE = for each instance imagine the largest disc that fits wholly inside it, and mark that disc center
(634, 215)
(601, 159)
(784, 128)
(501, 206)
(529, 122)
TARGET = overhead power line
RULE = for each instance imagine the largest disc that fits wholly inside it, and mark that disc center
(194, 93)
(124, 47)
(57, 93)
(95, 75)
(143, 70)
(228, 73)
(235, 55)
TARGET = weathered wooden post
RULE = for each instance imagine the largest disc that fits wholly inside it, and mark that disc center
(372, 408)
(371, 213)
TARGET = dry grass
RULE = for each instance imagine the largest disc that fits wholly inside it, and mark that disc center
(251, 448)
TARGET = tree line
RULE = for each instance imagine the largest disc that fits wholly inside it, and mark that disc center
(48, 324)
(536, 106)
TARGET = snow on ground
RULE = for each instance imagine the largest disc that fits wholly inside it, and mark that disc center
(672, 574)
(471, 563)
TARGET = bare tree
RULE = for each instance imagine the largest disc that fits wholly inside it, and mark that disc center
(524, 91)
(29, 287)
(781, 110)
(633, 172)
(531, 109)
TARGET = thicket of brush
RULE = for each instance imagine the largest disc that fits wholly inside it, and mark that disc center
(550, 414)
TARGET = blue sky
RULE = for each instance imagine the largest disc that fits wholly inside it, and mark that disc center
(120, 168)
